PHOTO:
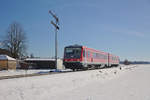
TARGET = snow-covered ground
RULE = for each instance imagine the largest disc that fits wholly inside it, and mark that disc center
(130, 83)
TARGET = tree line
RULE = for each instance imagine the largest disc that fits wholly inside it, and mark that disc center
(15, 41)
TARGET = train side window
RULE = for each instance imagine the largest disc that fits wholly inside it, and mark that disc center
(100, 56)
(88, 54)
(84, 53)
(104, 56)
(94, 55)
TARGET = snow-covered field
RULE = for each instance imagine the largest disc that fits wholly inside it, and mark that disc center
(130, 83)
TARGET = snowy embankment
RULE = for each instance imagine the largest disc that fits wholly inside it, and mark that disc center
(31, 71)
(104, 84)
(19, 72)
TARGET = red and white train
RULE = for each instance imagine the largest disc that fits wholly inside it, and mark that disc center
(81, 57)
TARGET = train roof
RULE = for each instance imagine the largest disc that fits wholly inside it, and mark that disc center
(72, 46)
(39, 59)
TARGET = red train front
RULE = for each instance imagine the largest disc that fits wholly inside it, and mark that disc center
(73, 57)
(81, 57)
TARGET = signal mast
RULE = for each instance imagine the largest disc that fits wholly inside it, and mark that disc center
(55, 24)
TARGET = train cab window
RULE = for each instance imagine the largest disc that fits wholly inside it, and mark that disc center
(72, 52)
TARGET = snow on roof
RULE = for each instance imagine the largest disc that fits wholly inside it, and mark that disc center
(6, 57)
(39, 59)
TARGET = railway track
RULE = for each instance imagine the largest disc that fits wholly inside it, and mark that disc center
(34, 74)
(29, 75)
(38, 74)
(21, 76)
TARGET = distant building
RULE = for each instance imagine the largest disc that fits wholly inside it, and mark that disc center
(46, 63)
(7, 62)
(39, 63)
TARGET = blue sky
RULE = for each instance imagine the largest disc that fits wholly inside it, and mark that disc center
(120, 27)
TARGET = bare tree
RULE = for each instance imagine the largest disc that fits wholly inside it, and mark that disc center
(15, 40)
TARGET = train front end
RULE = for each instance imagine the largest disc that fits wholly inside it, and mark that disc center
(73, 57)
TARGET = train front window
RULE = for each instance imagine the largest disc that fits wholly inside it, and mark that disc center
(72, 52)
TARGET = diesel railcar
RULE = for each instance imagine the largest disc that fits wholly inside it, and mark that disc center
(82, 57)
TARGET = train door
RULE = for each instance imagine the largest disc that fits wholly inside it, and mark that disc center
(91, 57)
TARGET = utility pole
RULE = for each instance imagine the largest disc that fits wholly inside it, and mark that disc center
(55, 24)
